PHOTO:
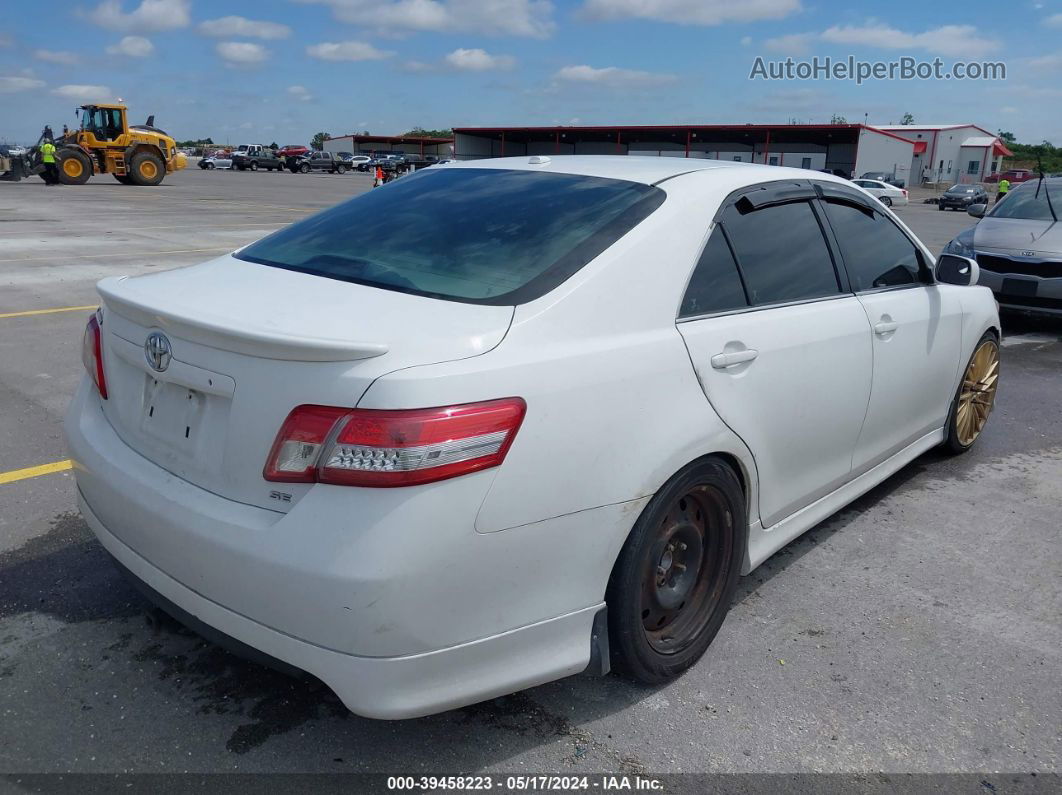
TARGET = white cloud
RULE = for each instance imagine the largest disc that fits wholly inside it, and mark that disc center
(793, 44)
(746, 41)
(1053, 61)
(241, 52)
(83, 93)
(346, 51)
(57, 56)
(612, 76)
(532, 18)
(133, 46)
(1055, 21)
(476, 60)
(10, 85)
(690, 12)
(241, 26)
(148, 17)
(954, 40)
(300, 93)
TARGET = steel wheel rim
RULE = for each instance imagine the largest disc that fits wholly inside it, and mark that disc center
(686, 569)
(148, 170)
(72, 167)
(978, 393)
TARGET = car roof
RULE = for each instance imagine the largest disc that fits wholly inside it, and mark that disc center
(646, 170)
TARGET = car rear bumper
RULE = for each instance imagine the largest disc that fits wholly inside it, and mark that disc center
(394, 601)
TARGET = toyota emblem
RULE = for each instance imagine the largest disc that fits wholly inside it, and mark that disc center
(157, 351)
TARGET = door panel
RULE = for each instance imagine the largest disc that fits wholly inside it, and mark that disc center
(793, 382)
(916, 334)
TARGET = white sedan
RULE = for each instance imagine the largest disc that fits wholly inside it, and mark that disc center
(887, 194)
(543, 430)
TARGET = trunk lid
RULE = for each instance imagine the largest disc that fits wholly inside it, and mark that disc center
(242, 344)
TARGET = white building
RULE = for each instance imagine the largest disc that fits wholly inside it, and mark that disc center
(951, 152)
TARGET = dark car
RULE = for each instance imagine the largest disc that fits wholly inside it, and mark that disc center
(883, 176)
(320, 161)
(959, 197)
(1018, 247)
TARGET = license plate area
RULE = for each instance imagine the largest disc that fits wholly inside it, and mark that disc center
(1026, 288)
(173, 413)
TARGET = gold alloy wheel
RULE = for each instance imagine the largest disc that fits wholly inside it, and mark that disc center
(978, 393)
(148, 169)
(73, 167)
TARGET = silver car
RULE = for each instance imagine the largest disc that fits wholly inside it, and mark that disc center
(1018, 246)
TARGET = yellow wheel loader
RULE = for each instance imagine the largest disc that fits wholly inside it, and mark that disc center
(138, 154)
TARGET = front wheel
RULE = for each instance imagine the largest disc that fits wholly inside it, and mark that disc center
(146, 169)
(304, 169)
(673, 583)
(254, 166)
(975, 397)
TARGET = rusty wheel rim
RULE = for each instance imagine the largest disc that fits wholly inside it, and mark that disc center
(685, 570)
(978, 393)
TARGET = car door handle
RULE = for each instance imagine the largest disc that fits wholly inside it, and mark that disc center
(883, 327)
(721, 361)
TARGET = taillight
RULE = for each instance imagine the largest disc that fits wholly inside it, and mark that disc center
(904, 192)
(92, 353)
(380, 448)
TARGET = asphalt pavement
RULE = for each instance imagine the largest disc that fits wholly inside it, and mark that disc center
(917, 630)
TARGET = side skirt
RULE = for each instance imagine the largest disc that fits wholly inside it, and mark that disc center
(764, 543)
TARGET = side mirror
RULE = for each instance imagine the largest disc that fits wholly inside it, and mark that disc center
(953, 269)
(977, 210)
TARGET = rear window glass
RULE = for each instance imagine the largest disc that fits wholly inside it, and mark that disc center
(468, 234)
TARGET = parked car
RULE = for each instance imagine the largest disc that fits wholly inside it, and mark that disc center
(353, 161)
(256, 156)
(293, 150)
(885, 193)
(480, 457)
(1013, 176)
(319, 161)
(1018, 244)
(389, 162)
(216, 160)
(959, 197)
(884, 176)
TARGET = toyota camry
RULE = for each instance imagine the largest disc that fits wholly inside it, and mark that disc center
(536, 418)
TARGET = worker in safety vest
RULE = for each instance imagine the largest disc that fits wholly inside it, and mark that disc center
(1004, 186)
(51, 170)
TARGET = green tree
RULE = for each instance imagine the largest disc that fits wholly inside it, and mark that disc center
(907, 119)
(274, 145)
(1006, 137)
(317, 142)
(838, 119)
(420, 132)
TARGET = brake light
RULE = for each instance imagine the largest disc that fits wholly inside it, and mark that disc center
(904, 192)
(92, 353)
(382, 448)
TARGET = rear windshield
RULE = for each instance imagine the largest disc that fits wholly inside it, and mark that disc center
(477, 235)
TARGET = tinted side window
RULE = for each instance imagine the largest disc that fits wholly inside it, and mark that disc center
(781, 252)
(876, 253)
(715, 285)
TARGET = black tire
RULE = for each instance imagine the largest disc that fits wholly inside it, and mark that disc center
(941, 207)
(304, 168)
(886, 201)
(146, 169)
(254, 165)
(73, 160)
(953, 441)
(677, 573)
(341, 169)
(125, 179)
(211, 166)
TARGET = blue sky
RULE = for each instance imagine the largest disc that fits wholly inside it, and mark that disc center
(280, 70)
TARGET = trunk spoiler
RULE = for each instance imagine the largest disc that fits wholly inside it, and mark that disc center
(218, 332)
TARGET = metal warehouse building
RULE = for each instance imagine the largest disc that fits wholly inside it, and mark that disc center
(398, 144)
(853, 149)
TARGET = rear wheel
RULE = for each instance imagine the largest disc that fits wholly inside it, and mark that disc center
(886, 201)
(146, 169)
(304, 168)
(75, 168)
(673, 582)
(976, 396)
(254, 165)
(341, 169)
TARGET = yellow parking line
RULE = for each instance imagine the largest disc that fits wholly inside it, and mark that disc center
(33, 472)
(48, 311)
(60, 256)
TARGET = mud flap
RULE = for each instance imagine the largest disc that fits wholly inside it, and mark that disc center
(600, 662)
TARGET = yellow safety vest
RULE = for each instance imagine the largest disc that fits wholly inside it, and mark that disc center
(48, 153)
(1004, 185)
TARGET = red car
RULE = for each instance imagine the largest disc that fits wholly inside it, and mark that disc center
(292, 150)
(1013, 175)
